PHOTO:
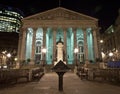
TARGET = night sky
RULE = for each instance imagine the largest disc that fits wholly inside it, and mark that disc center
(104, 10)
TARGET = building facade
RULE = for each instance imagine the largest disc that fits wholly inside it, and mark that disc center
(117, 33)
(107, 43)
(44, 30)
(110, 44)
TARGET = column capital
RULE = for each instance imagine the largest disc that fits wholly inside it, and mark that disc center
(45, 28)
(34, 29)
(96, 29)
(23, 33)
(54, 28)
(74, 28)
(23, 29)
(84, 28)
(64, 28)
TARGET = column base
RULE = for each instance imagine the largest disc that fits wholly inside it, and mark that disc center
(86, 63)
(17, 65)
(31, 63)
(75, 69)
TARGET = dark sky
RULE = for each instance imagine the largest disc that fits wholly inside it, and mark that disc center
(104, 10)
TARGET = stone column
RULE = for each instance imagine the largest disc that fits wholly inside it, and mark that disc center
(33, 47)
(19, 49)
(95, 44)
(44, 46)
(44, 37)
(75, 46)
(65, 43)
(85, 46)
(75, 38)
(21, 46)
(54, 44)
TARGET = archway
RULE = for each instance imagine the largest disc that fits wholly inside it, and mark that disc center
(38, 45)
(80, 45)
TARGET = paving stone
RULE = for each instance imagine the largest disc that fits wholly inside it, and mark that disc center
(72, 84)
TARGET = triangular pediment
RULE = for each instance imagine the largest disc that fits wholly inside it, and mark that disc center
(59, 14)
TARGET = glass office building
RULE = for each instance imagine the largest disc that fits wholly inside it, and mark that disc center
(10, 19)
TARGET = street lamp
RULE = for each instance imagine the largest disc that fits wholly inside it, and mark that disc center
(8, 55)
(15, 59)
(110, 54)
(76, 51)
(101, 41)
(101, 47)
(44, 52)
(9, 61)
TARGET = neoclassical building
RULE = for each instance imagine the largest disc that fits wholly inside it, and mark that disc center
(45, 29)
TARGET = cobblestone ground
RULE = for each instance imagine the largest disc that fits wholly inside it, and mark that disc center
(72, 84)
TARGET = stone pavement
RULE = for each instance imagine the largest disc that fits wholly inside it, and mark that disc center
(72, 84)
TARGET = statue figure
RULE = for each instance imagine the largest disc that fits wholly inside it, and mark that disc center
(60, 55)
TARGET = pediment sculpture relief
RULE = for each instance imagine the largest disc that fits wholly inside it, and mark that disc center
(59, 14)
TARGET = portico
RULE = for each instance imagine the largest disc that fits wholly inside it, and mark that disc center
(43, 30)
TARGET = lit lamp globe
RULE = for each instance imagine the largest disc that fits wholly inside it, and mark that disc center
(110, 54)
(44, 50)
(101, 41)
(76, 50)
(15, 59)
(8, 55)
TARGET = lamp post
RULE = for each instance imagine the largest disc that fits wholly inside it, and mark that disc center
(76, 64)
(101, 41)
(110, 55)
(8, 55)
(15, 59)
(101, 48)
(76, 51)
(44, 52)
(9, 61)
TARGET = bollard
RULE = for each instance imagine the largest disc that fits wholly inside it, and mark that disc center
(60, 68)
(60, 85)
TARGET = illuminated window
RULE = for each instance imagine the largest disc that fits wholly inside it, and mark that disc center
(10, 21)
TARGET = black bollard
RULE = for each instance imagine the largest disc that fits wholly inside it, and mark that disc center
(60, 68)
(60, 75)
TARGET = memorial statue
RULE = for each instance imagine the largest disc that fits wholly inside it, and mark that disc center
(60, 55)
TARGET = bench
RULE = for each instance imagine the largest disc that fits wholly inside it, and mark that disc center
(82, 73)
(37, 73)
